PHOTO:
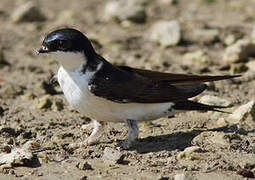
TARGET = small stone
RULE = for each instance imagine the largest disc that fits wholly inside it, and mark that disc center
(251, 65)
(222, 122)
(207, 137)
(166, 33)
(214, 101)
(27, 96)
(187, 153)
(27, 12)
(238, 68)
(112, 155)
(248, 76)
(183, 176)
(43, 102)
(125, 10)
(84, 166)
(243, 112)
(230, 39)
(196, 57)
(205, 36)
(57, 105)
(239, 51)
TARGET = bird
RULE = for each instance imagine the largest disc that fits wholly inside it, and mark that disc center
(110, 93)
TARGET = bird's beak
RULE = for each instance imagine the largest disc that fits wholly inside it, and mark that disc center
(43, 49)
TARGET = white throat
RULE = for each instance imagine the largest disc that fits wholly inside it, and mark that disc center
(70, 60)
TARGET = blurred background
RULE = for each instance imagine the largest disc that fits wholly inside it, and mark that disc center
(178, 36)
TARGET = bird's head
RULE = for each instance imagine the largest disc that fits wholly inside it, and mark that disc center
(69, 47)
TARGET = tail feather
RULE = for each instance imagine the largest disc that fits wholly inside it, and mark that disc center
(191, 105)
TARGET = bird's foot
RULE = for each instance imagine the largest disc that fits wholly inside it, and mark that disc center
(133, 132)
(127, 144)
(94, 136)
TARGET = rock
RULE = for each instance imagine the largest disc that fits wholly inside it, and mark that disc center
(84, 166)
(209, 138)
(238, 68)
(222, 122)
(166, 33)
(112, 155)
(205, 36)
(214, 101)
(248, 76)
(27, 96)
(57, 105)
(196, 57)
(28, 12)
(125, 10)
(187, 153)
(243, 112)
(239, 51)
(251, 65)
(183, 176)
(43, 102)
(230, 39)
(19, 155)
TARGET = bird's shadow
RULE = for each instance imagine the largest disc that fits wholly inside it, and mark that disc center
(178, 140)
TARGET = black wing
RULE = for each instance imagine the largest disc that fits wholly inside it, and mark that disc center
(125, 84)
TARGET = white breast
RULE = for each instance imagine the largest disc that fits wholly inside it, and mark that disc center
(75, 87)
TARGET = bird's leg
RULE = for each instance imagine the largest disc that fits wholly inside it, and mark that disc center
(98, 128)
(133, 132)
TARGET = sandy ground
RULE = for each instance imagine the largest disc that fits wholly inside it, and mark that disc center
(156, 154)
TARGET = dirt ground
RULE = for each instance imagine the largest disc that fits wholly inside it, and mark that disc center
(155, 155)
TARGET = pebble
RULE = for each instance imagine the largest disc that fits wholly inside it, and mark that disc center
(243, 112)
(57, 105)
(84, 165)
(112, 155)
(205, 36)
(28, 12)
(222, 122)
(130, 10)
(239, 51)
(166, 33)
(183, 176)
(214, 101)
(196, 57)
(238, 68)
(27, 96)
(187, 153)
(251, 65)
(209, 138)
(43, 103)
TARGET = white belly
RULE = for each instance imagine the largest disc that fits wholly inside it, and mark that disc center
(75, 88)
